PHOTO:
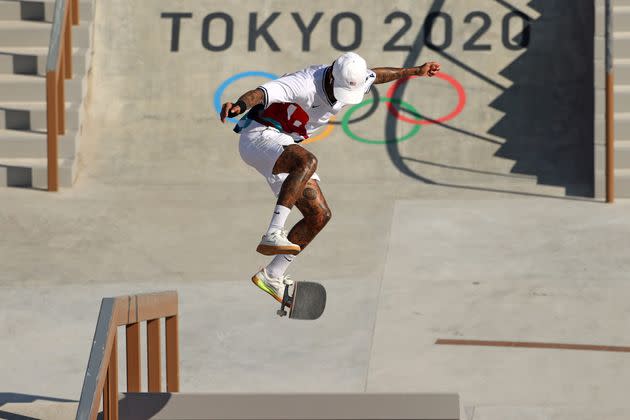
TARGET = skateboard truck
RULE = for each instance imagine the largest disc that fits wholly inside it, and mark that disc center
(286, 299)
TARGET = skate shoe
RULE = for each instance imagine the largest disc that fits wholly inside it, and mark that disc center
(276, 242)
(273, 286)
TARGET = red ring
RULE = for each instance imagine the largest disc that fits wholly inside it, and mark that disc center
(460, 104)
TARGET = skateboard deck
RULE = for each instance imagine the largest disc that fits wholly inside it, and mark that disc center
(307, 302)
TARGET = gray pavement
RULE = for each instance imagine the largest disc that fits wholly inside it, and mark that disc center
(164, 202)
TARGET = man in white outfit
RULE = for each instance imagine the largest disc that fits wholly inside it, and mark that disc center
(282, 113)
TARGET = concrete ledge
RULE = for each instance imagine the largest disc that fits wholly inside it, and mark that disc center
(177, 406)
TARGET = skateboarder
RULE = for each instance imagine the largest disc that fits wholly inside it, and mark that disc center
(282, 113)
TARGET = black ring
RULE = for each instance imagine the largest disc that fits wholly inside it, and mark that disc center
(370, 111)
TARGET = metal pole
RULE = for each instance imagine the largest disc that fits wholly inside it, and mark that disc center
(610, 110)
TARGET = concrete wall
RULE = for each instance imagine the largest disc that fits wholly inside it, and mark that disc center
(528, 106)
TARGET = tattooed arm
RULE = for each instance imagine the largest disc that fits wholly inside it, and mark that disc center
(245, 102)
(387, 74)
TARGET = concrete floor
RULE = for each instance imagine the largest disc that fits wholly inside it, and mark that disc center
(163, 202)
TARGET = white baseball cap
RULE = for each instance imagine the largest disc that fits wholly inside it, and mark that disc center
(349, 72)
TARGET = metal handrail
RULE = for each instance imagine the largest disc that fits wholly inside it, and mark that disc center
(101, 375)
(59, 62)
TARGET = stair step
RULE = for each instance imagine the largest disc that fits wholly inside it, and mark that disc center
(32, 60)
(622, 183)
(32, 116)
(18, 87)
(622, 98)
(621, 17)
(34, 173)
(622, 125)
(24, 33)
(622, 154)
(622, 71)
(621, 44)
(38, 10)
(32, 144)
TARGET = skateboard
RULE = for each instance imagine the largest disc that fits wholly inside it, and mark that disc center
(307, 302)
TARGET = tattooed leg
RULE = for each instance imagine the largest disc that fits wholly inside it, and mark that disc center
(300, 164)
(316, 214)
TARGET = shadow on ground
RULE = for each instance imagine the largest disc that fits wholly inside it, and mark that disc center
(548, 122)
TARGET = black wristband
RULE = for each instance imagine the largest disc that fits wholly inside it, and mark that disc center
(241, 104)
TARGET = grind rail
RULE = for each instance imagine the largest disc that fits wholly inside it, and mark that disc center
(101, 378)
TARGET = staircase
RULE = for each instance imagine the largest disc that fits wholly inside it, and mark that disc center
(621, 51)
(24, 38)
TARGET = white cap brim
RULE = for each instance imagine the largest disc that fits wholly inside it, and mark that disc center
(348, 96)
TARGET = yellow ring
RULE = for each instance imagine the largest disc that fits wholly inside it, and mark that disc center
(321, 136)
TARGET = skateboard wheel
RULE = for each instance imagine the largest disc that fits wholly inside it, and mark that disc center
(281, 312)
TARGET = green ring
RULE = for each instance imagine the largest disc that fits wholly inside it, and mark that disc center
(345, 122)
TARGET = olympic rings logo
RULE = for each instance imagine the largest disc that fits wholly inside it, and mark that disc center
(393, 106)
(219, 92)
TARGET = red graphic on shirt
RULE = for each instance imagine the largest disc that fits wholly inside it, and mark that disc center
(291, 117)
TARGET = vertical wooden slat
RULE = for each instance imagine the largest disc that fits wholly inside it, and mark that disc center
(106, 412)
(75, 12)
(67, 43)
(172, 354)
(133, 357)
(154, 363)
(112, 373)
(52, 129)
(61, 99)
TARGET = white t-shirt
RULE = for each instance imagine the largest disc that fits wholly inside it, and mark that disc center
(305, 101)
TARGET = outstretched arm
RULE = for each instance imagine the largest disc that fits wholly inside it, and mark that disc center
(387, 74)
(245, 102)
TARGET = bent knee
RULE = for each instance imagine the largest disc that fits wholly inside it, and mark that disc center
(326, 215)
(322, 218)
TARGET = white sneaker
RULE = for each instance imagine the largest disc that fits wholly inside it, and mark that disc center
(276, 242)
(273, 286)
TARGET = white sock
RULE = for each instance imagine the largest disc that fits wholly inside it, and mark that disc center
(279, 218)
(278, 266)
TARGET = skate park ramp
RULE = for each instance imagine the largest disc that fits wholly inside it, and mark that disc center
(477, 225)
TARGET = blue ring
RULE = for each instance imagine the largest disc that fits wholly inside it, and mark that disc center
(219, 92)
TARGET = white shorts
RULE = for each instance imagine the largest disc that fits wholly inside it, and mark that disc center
(260, 147)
